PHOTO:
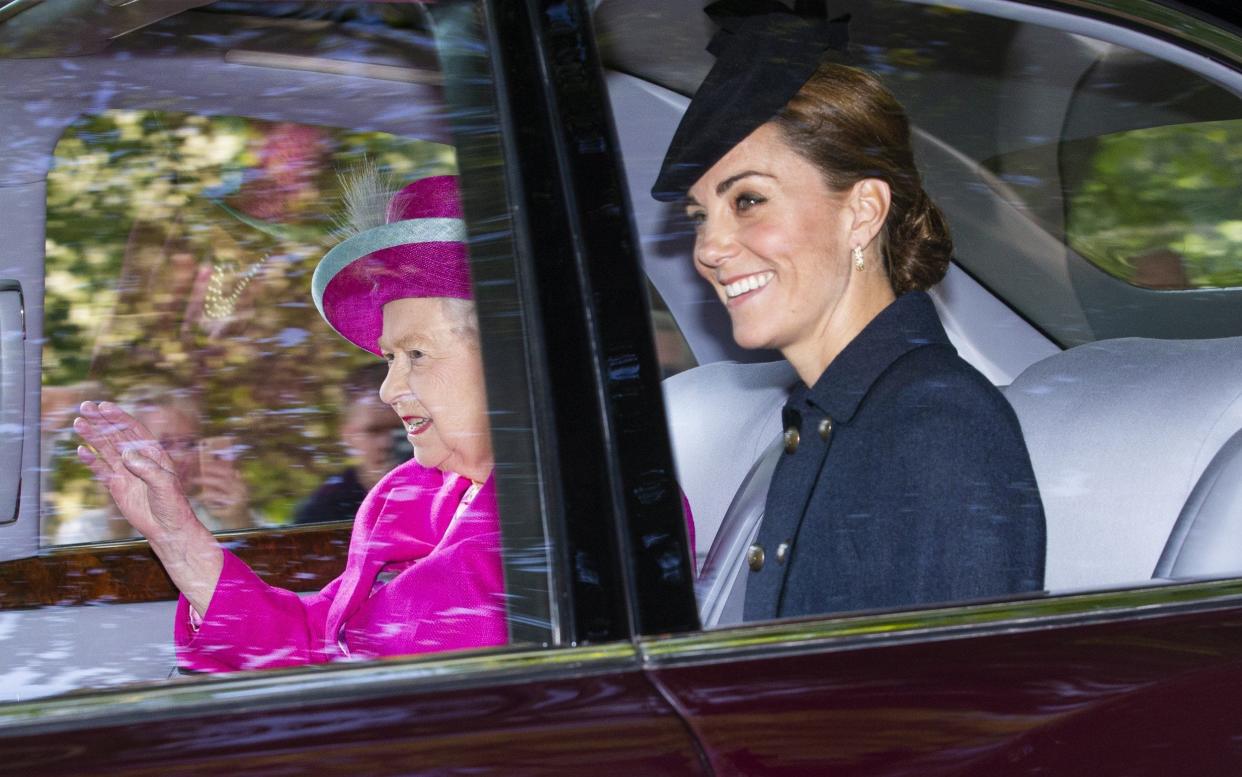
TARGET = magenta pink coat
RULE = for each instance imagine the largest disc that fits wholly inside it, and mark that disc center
(415, 581)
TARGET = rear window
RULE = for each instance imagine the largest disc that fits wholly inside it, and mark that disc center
(1157, 208)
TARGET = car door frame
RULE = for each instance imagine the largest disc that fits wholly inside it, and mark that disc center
(1034, 684)
(623, 559)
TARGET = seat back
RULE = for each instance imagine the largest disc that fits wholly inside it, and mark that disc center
(721, 418)
(1207, 539)
(721, 586)
(1119, 432)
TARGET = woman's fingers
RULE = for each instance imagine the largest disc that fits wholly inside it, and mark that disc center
(94, 437)
(111, 431)
(123, 426)
(107, 434)
(167, 503)
(142, 461)
(130, 432)
(101, 470)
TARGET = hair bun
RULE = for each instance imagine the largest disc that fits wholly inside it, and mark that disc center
(851, 127)
(919, 247)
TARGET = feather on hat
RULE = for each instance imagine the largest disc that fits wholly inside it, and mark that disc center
(416, 248)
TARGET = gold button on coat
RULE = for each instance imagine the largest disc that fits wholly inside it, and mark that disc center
(782, 552)
(825, 429)
(791, 439)
(754, 557)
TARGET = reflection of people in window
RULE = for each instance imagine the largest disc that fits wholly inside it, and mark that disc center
(372, 436)
(423, 571)
(904, 479)
(206, 468)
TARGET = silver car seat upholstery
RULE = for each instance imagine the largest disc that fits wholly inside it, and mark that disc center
(721, 586)
(721, 417)
(1136, 444)
(1120, 432)
(1207, 538)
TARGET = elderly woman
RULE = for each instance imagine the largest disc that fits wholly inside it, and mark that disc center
(905, 479)
(423, 572)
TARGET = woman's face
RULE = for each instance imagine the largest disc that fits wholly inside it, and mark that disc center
(773, 241)
(435, 385)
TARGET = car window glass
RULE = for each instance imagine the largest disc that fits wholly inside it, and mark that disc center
(177, 247)
(1091, 188)
(1153, 207)
(175, 204)
(1125, 161)
(672, 350)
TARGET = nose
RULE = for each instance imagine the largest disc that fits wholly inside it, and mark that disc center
(714, 245)
(394, 385)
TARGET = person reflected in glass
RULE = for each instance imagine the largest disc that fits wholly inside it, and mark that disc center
(904, 478)
(205, 466)
(369, 432)
(423, 571)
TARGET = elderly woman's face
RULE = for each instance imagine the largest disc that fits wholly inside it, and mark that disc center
(435, 385)
(771, 238)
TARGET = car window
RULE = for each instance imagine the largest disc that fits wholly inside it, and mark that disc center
(672, 350)
(1122, 158)
(1153, 207)
(1091, 187)
(175, 181)
(176, 247)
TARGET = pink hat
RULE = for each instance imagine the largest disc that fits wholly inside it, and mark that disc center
(419, 252)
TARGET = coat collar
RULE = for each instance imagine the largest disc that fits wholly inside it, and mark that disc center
(909, 322)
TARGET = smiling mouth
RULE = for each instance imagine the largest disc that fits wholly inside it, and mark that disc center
(748, 284)
(415, 425)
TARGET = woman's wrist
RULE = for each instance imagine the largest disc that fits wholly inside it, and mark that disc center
(193, 559)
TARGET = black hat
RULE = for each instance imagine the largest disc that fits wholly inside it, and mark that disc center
(764, 53)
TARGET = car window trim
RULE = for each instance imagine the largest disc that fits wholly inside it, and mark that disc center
(628, 563)
(852, 632)
(1159, 31)
(301, 687)
(298, 558)
(514, 362)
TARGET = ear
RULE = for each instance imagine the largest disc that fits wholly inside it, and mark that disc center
(868, 201)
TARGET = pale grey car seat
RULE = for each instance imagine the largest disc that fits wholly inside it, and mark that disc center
(1134, 446)
(722, 417)
(1207, 538)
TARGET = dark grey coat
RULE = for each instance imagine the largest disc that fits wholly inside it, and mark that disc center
(910, 482)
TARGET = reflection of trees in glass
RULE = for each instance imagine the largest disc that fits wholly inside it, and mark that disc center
(1162, 207)
(179, 253)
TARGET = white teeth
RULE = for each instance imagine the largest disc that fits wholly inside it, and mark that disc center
(749, 283)
(417, 423)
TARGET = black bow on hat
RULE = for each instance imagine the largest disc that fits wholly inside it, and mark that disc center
(764, 53)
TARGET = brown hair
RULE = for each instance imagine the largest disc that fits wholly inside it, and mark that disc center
(851, 127)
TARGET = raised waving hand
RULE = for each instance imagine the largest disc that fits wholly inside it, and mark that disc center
(137, 472)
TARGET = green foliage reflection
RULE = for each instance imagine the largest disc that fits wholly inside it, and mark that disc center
(179, 255)
(1162, 207)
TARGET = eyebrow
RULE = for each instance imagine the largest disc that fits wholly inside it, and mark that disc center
(388, 345)
(724, 185)
(403, 341)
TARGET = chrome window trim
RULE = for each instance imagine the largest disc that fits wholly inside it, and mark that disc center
(772, 640)
(1161, 21)
(14, 7)
(250, 692)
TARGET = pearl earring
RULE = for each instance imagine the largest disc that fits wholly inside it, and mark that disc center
(859, 262)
